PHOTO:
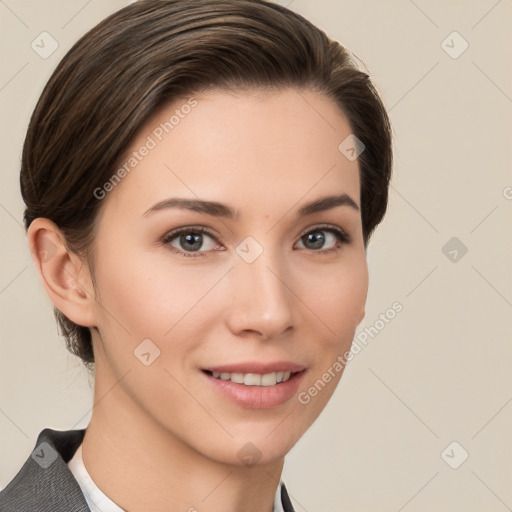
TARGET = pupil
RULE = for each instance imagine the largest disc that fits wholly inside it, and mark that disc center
(191, 239)
(317, 238)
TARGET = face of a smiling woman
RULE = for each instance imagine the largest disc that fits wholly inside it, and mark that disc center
(273, 287)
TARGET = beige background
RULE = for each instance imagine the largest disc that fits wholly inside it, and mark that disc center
(440, 370)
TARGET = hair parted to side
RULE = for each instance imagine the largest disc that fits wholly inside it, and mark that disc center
(152, 52)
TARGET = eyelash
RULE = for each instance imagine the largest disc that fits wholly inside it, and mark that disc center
(342, 236)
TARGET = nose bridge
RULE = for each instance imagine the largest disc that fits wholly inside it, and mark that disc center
(262, 300)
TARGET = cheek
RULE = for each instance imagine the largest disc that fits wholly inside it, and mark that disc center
(339, 302)
(338, 311)
(152, 297)
(157, 297)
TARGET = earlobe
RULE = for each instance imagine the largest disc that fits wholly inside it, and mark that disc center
(64, 275)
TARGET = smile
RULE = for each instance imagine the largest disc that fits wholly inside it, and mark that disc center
(253, 379)
(253, 390)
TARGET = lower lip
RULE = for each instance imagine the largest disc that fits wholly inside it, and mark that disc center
(257, 397)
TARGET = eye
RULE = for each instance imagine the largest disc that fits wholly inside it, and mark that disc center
(189, 240)
(317, 238)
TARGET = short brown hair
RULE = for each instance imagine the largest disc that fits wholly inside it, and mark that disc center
(153, 51)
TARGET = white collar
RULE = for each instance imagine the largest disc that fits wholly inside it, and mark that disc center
(99, 502)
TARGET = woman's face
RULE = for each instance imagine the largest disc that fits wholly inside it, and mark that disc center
(274, 286)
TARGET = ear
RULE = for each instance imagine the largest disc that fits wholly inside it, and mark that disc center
(64, 275)
(362, 315)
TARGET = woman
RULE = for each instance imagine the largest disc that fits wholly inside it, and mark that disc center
(201, 179)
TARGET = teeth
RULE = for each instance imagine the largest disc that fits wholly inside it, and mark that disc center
(237, 377)
(254, 379)
(269, 379)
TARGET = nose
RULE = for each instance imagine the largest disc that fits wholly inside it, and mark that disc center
(262, 299)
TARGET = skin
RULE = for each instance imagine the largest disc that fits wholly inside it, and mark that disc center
(159, 438)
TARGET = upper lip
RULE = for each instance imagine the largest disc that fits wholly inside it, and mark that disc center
(257, 367)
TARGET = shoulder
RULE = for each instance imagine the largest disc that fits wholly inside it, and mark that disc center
(285, 500)
(45, 483)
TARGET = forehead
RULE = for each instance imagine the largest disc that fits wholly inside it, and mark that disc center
(255, 147)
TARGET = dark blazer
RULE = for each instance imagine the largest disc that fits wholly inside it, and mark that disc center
(46, 484)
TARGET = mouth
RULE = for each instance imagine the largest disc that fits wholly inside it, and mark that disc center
(264, 387)
(253, 379)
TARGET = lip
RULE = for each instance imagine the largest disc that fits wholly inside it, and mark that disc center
(256, 367)
(256, 397)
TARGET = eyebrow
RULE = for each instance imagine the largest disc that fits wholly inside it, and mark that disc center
(217, 209)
